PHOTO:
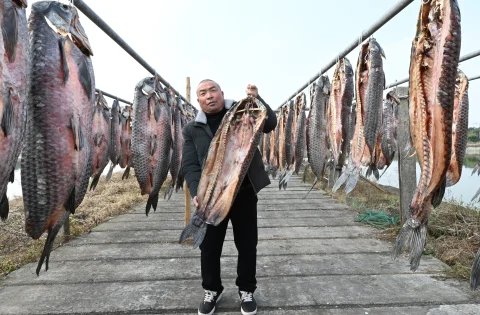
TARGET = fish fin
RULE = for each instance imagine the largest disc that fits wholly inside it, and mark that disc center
(156, 111)
(151, 203)
(7, 116)
(197, 229)
(475, 272)
(66, 71)
(369, 172)
(376, 173)
(95, 140)
(81, 141)
(11, 179)
(110, 171)
(314, 183)
(94, 183)
(352, 182)
(10, 33)
(70, 204)
(439, 193)
(341, 180)
(4, 208)
(413, 236)
(85, 78)
(47, 248)
(153, 144)
(475, 168)
(126, 173)
(76, 133)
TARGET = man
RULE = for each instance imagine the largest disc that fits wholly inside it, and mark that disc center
(197, 136)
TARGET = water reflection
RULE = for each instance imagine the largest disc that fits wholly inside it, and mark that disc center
(463, 191)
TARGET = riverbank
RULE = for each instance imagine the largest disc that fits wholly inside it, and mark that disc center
(453, 230)
(108, 200)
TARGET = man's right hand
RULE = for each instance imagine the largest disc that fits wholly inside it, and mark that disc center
(195, 202)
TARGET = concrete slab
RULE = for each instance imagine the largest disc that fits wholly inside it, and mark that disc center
(280, 233)
(156, 224)
(77, 251)
(267, 267)
(161, 216)
(272, 293)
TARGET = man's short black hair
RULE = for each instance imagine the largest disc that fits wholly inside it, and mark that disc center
(209, 80)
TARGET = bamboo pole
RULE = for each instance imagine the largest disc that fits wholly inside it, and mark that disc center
(185, 187)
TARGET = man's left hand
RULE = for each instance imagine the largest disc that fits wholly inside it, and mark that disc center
(252, 90)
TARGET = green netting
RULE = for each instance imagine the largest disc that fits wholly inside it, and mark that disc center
(374, 217)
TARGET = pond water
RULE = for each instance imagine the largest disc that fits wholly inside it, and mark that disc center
(15, 189)
(463, 191)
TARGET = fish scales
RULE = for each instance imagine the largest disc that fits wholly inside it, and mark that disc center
(374, 100)
(459, 129)
(433, 71)
(316, 135)
(100, 140)
(13, 84)
(56, 156)
(236, 140)
(300, 133)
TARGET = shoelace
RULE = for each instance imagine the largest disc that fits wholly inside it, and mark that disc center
(209, 296)
(246, 296)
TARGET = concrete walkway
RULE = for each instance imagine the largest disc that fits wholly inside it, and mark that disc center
(313, 258)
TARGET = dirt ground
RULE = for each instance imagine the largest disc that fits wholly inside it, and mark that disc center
(108, 200)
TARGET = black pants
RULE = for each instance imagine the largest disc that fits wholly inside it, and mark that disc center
(243, 215)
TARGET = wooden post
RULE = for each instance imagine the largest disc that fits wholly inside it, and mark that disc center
(185, 187)
(407, 172)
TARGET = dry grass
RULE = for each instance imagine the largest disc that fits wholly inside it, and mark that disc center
(454, 229)
(109, 199)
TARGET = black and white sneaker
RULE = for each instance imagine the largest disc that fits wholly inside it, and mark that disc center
(248, 304)
(207, 307)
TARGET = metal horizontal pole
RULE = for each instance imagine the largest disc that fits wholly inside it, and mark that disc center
(357, 42)
(461, 59)
(474, 78)
(114, 97)
(85, 9)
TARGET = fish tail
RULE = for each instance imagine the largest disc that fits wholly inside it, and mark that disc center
(110, 171)
(4, 208)
(95, 180)
(151, 203)
(475, 272)
(314, 183)
(413, 235)
(126, 173)
(439, 193)
(47, 248)
(477, 166)
(169, 190)
(197, 229)
(352, 182)
(286, 176)
(476, 195)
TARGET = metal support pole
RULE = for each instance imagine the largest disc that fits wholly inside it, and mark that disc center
(185, 186)
(357, 42)
(462, 58)
(82, 6)
(114, 97)
(476, 77)
(407, 172)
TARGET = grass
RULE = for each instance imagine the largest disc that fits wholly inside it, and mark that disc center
(108, 200)
(453, 229)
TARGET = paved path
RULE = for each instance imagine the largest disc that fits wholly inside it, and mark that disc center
(313, 258)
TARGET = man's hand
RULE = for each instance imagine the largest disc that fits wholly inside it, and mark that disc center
(195, 202)
(252, 90)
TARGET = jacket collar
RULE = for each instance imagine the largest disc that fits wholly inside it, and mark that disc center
(202, 118)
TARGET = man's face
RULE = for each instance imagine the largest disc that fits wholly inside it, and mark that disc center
(210, 97)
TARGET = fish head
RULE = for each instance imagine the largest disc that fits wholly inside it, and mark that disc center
(64, 20)
(20, 3)
(147, 86)
(374, 48)
(101, 101)
(392, 96)
(324, 84)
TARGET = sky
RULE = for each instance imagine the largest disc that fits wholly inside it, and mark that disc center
(276, 45)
